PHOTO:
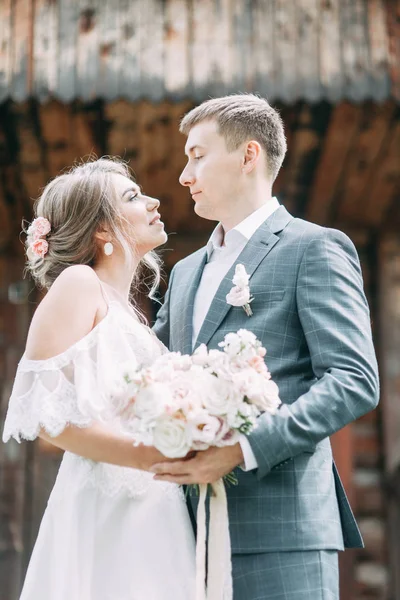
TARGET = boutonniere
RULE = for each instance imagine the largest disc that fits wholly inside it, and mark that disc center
(240, 293)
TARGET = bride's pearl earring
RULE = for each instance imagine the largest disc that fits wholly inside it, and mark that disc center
(108, 248)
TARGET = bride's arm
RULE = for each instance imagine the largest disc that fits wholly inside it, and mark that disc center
(99, 443)
(71, 308)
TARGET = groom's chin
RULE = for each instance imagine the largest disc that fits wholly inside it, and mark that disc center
(204, 212)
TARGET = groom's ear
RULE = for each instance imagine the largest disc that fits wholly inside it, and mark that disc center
(252, 154)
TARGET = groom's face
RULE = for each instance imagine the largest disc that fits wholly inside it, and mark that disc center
(212, 174)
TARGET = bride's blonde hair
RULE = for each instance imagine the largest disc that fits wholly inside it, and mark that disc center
(77, 203)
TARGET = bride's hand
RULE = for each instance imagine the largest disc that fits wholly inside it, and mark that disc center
(151, 456)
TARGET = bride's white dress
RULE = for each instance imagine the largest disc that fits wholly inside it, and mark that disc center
(108, 532)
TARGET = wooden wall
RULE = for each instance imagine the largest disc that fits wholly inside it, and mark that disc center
(157, 49)
(341, 170)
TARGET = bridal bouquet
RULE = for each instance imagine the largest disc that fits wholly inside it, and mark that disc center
(182, 403)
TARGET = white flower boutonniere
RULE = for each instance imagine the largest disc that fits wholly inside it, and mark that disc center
(240, 293)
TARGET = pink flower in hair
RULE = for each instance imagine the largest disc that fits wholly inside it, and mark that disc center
(39, 228)
(39, 248)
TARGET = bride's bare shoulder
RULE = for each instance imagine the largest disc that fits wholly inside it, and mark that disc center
(67, 313)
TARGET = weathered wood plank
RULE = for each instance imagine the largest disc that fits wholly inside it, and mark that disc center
(355, 50)
(5, 48)
(379, 49)
(109, 31)
(374, 127)
(201, 48)
(242, 46)
(21, 65)
(264, 48)
(45, 48)
(129, 86)
(384, 182)
(177, 73)
(337, 145)
(331, 73)
(223, 39)
(308, 82)
(68, 11)
(87, 59)
(151, 56)
(285, 40)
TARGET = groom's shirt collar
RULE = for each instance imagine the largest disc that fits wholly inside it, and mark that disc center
(240, 234)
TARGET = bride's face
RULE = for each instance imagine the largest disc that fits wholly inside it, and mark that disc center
(141, 212)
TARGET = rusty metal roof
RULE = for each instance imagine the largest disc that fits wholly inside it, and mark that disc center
(174, 49)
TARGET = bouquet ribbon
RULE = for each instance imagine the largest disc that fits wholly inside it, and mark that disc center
(219, 564)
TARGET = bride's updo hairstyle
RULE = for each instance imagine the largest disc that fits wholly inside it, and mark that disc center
(77, 204)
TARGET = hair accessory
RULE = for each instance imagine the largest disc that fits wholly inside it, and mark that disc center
(108, 248)
(37, 231)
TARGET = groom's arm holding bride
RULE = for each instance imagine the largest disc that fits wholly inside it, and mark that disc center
(335, 321)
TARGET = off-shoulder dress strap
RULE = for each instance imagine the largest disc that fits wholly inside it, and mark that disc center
(106, 297)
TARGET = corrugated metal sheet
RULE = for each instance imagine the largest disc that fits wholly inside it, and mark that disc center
(156, 49)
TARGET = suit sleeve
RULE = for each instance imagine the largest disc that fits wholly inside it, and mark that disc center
(334, 316)
(162, 325)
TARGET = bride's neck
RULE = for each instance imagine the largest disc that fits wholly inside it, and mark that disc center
(118, 280)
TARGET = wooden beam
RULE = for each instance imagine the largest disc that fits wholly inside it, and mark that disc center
(6, 229)
(305, 144)
(383, 190)
(389, 339)
(32, 170)
(375, 126)
(337, 144)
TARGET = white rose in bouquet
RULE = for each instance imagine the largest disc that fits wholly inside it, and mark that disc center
(218, 395)
(151, 400)
(170, 437)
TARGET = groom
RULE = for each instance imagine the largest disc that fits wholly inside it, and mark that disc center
(289, 515)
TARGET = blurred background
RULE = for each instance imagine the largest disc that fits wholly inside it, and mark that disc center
(79, 77)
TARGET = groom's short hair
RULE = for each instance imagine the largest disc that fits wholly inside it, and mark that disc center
(241, 118)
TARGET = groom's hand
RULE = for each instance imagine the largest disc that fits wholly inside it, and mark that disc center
(205, 467)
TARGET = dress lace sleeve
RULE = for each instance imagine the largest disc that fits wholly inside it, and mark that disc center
(49, 394)
(62, 390)
(78, 386)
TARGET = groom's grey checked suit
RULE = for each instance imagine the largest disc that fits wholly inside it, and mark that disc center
(310, 312)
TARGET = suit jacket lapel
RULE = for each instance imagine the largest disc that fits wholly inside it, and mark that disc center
(257, 248)
(183, 317)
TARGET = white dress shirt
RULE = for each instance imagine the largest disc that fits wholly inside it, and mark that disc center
(222, 252)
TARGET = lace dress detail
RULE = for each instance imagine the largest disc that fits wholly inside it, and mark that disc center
(73, 388)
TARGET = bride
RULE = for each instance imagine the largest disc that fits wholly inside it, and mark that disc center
(110, 531)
